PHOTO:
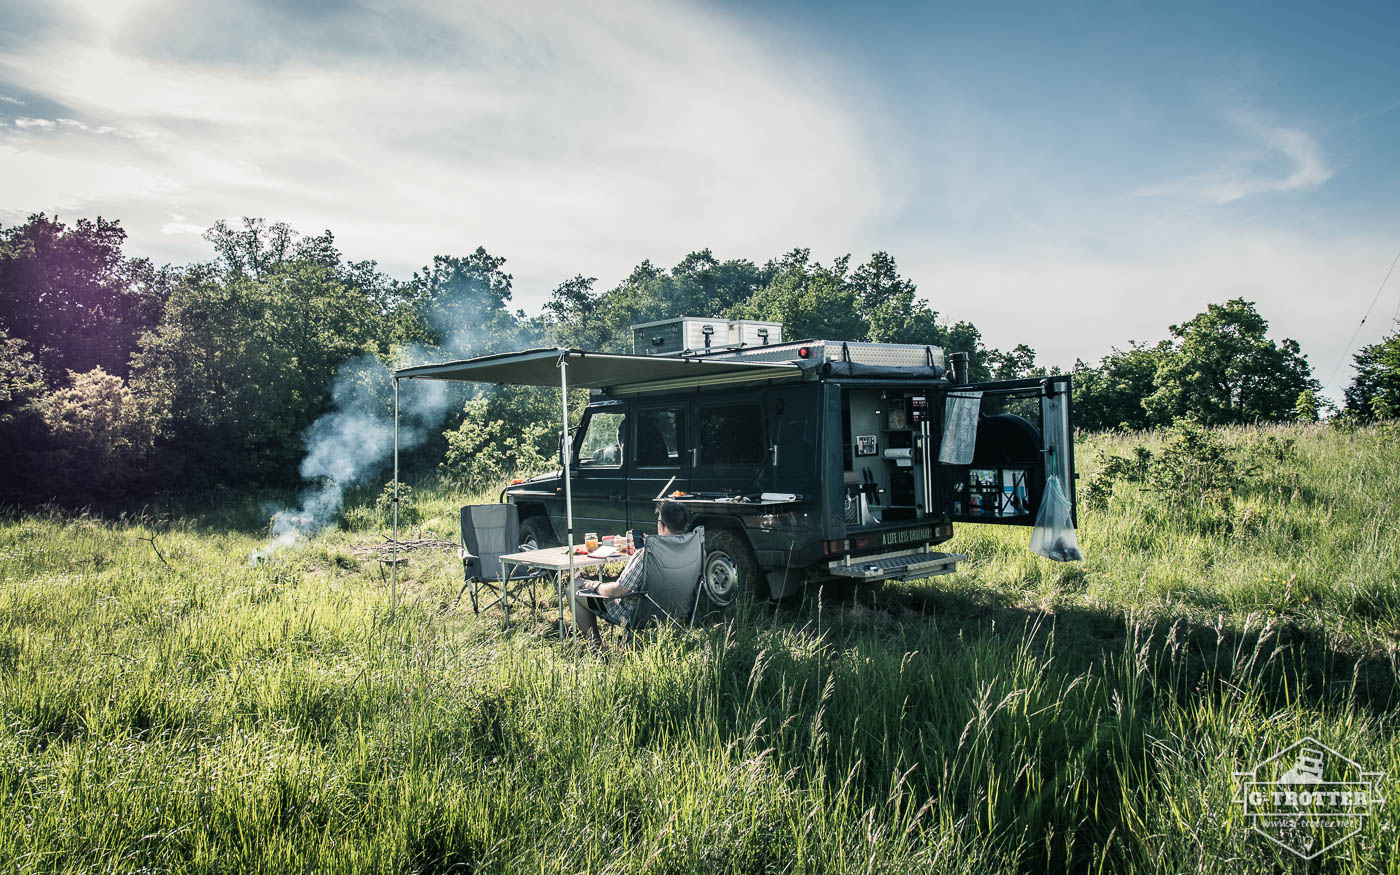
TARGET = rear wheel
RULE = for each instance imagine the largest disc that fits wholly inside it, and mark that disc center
(731, 571)
(536, 533)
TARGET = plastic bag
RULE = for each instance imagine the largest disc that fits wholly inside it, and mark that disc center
(1053, 536)
(960, 428)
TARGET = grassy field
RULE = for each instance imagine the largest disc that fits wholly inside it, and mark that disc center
(166, 707)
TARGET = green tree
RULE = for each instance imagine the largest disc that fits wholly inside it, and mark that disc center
(69, 294)
(487, 448)
(1014, 365)
(245, 362)
(811, 300)
(1224, 369)
(570, 315)
(254, 251)
(699, 285)
(1374, 392)
(1112, 394)
(461, 305)
(889, 304)
(22, 428)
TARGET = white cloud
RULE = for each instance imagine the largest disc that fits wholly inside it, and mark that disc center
(40, 123)
(5, 98)
(1254, 168)
(567, 138)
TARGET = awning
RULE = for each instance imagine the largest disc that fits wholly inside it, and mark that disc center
(619, 374)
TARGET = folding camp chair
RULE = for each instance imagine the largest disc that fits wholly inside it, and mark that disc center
(670, 588)
(489, 531)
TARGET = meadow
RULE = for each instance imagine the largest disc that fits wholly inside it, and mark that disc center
(166, 706)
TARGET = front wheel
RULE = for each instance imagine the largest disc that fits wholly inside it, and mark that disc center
(731, 571)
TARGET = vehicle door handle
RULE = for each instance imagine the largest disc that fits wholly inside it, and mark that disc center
(616, 497)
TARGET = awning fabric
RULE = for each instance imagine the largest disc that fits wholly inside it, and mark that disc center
(620, 374)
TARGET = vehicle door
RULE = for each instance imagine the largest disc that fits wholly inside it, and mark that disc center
(660, 458)
(599, 476)
(731, 449)
(794, 433)
(1022, 439)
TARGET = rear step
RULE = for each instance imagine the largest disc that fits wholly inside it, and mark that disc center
(903, 565)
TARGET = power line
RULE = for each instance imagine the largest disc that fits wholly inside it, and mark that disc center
(1367, 316)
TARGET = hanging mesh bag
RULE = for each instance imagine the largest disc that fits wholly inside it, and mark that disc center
(1053, 536)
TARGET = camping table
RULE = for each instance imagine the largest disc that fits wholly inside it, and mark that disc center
(556, 559)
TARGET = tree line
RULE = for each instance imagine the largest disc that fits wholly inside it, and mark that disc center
(118, 377)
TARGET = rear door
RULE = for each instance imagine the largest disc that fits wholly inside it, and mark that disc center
(730, 447)
(1024, 437)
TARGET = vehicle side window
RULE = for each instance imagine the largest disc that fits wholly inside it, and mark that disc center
(602, 443)
(730, 435)
(661, 437)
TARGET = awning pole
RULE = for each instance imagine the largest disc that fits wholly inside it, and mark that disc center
(568, 487)
(394, 582)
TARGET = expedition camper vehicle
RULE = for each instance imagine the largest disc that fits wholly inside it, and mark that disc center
(805, 460)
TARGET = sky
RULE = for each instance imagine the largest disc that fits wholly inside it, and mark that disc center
(1069, 175)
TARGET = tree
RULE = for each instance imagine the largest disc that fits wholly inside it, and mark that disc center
(1224, 369)
(245, 363)
(66, 292)
(569, 315)
(1014, 365)
(890, 306)
(811, 300)
(21, 423)
(460, 304)
(1112, 395)
(1374, 392)
(699, 285)
(254, 251)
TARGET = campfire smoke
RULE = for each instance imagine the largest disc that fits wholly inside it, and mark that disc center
(354, 442)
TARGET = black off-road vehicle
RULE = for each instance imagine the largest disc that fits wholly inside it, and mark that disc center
(804, 461)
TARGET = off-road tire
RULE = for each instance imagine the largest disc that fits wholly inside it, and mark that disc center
(731, 571)
(536, 533)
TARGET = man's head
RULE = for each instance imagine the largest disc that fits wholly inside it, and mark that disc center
(672, 518)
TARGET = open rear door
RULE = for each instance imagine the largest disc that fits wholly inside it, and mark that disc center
(1024, 435)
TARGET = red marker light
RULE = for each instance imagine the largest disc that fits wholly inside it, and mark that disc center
(804, 352)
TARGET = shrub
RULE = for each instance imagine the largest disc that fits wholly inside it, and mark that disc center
(102, 437)
(410, 514)
(482, 452)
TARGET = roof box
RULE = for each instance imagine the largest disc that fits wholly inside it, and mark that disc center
(691, 334)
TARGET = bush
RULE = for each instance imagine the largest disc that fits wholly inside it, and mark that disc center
(410, 514)
(102, 438)
(483, 452)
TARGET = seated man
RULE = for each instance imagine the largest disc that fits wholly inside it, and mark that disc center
(602, 599)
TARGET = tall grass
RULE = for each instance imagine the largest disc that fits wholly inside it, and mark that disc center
(184, 711)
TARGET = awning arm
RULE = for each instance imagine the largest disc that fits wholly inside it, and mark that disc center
(567, 446)
(394, 575)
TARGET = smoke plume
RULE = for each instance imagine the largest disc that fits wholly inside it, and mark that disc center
(354, 442)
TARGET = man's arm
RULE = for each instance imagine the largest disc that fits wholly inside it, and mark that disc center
(627, 581)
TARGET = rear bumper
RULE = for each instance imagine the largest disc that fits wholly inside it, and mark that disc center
(899, 565)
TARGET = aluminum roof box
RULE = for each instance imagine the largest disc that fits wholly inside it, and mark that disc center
(881, 355)
(698, 334)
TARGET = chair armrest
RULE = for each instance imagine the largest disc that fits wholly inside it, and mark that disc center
(464, 554)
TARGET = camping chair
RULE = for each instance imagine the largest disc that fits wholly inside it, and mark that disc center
(671, 569)
(489, 531)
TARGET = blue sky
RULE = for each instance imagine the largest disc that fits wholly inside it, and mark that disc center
(1067, 175)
